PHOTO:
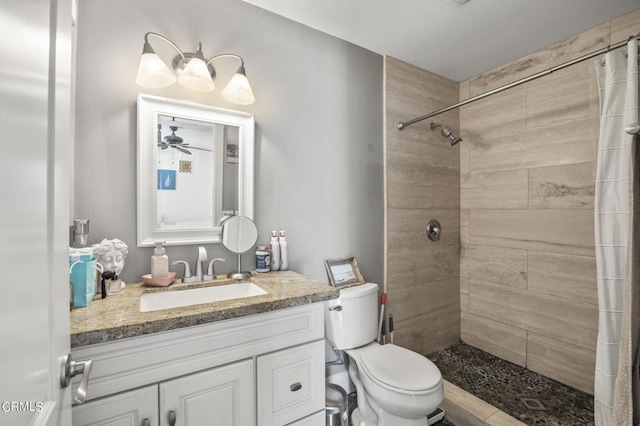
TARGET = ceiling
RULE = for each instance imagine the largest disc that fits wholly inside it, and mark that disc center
(455, 41)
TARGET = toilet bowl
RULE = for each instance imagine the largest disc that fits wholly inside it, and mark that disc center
(394, 386)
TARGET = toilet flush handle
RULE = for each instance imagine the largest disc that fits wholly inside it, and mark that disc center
(336, 308)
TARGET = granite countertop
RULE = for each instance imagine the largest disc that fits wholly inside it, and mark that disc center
(119, 317)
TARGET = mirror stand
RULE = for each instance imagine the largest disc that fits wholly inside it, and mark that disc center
(240, 275)
(239, 235)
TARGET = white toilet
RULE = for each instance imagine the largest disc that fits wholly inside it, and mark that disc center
(395, 386)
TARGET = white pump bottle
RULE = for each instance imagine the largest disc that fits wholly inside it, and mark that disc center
(159, 262)
(284, 252)
(274, 248)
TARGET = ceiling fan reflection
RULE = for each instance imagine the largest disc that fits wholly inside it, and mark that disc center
(175, 141)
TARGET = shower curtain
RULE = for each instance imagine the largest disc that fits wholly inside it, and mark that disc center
(617, 241)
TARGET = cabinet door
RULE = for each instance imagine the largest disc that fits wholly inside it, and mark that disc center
(220, 396)
(290, 384)
(133, 408)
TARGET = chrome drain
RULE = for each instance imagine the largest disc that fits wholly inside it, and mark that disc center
(533, 404)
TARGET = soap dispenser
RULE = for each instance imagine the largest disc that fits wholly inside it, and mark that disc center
(159, 262)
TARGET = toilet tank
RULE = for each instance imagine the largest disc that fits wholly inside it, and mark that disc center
(352, 319)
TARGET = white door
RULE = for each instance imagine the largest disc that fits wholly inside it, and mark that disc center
(35, 158)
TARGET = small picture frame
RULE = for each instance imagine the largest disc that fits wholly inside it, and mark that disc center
(343, 272)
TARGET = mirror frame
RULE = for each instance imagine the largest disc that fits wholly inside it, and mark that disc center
(149, 107)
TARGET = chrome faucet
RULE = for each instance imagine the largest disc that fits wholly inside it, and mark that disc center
(211, 272)
(200, 261)
(186, 277)
(200, 275)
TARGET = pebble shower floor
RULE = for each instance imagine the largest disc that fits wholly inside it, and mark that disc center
(528, 396)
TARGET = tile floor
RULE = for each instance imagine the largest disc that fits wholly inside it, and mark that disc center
(510, 387)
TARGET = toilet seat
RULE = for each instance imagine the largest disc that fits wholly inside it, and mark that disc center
(398, 369)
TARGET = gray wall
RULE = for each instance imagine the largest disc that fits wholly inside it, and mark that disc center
(318, 127)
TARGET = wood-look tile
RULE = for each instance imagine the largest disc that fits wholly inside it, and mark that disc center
(500, 418)
(425, 298)
(555, 54)
(625, 26)
(408, 267)
(497, 115)
(497, 338)
(497, 265)
(446, 261)
(570, 186)
(407, 227)
(429, 332)
(559, 97)
(464, 226)
(569, 321)
(571, 277)
(446, 187)
(564, 143)
(564, 362)
(555, 231)
(465, 152)
(406, 196)
(464, 295)
(412, 78)
(417, 148)
(462, 408)
(499, 190)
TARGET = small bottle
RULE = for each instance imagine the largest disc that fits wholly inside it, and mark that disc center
(113, 285)
(263, 259)
(274, 248)
(159, 262)
(284, 254)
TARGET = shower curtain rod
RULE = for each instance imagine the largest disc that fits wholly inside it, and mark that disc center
(403, 124)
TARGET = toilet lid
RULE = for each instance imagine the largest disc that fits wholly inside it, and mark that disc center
(399, 368)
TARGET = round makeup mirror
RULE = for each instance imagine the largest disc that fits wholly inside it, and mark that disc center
(239, 235)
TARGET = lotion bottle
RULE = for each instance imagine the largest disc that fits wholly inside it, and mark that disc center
(274, 248)
(284, 252)
(159, 262)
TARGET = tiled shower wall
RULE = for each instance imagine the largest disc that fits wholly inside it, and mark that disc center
(422, 176)
(527, 265)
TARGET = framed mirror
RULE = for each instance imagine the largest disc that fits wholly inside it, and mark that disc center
(195, 165)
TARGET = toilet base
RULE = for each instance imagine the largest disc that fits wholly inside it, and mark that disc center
(434, 418)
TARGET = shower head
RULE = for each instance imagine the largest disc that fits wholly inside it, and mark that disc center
(446, 133)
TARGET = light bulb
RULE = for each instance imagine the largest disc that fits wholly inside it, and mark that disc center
(153, 72)
(238, 90)
(196, 75)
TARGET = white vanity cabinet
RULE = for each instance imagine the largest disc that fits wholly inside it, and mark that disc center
(263, 370)
(134, 408)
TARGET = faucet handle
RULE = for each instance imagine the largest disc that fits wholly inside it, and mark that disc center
(186, 277)
(211, 271)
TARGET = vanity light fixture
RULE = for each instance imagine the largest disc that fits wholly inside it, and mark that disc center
(192, 71)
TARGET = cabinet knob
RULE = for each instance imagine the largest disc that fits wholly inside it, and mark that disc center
(295, 387)
(172, 418)
(146, 422)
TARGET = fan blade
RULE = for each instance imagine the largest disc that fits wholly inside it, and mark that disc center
(181, 149)
(201, 149)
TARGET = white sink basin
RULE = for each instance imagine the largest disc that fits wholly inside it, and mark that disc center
(181, 298)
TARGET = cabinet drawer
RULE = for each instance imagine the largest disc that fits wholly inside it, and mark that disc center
(131, 408)
(290, 384)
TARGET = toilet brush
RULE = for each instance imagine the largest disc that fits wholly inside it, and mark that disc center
(383, 302)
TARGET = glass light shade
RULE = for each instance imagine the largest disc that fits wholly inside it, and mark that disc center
(153, 72)
(238, 90)
(196, 76)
